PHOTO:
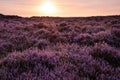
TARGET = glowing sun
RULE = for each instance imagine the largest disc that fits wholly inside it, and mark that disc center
(48, 8)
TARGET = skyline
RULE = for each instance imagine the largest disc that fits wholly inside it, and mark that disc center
(65, 8)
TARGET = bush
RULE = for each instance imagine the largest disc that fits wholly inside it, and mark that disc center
(69, 36)
(101, 36)
(17, 65)
(56, 37)
(107, 53)
(42, 43)
(63, 27)
(21, 42)
(40, 26)
(116, 26)
(84, 39)
(41, 33)
(63, 24)
(5, 48)
(114, 38)
(91, 29)
(116, 33)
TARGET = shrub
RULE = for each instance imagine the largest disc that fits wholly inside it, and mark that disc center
(101, 36)
(41, 44)
(84, 39)
(69, 36)
(16, 65)
(63, 24)
(77, 29)
(21, 42)
(107, 53)
(116, 26)
(56, 37)
(91, 29)
(5, 47)
(41, 33)
(114, 38)
(63, 27)
(40, 26)
(116, 32)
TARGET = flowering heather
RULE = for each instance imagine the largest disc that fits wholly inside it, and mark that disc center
(46, 48)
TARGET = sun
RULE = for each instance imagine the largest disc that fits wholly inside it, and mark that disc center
(48, 8)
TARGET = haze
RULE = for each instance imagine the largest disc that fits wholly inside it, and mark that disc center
(65, 8)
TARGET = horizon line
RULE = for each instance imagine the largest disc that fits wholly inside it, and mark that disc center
(58, 16)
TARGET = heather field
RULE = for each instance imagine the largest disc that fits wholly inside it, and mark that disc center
(58, 48)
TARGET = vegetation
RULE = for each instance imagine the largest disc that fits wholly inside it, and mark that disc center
(47, 48)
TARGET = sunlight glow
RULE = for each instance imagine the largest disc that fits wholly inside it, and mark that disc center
(48, 8)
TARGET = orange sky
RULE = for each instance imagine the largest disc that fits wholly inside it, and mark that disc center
(66, 8)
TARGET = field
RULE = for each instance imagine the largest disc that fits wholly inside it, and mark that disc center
(59, 48)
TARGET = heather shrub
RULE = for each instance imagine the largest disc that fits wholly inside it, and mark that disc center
(116, 33)
(40, 26)
(4, 33)
(95, 29)
(41, 44)
(114, 38)
(21, 42)
(65, 49)
(100, 36)
(41, 33)
(69, 36)
(26, 28)
(63, 27)
(77, 29)
(19, 64)
(84, 39)
(116, 26)
(106, 53)
(114, 22)
(3, 30)
(56, 37)
(5, 47)
(63, 24)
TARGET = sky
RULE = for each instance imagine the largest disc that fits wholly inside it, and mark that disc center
(65, 8)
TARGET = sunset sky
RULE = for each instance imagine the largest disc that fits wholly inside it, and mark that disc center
(63, 8)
